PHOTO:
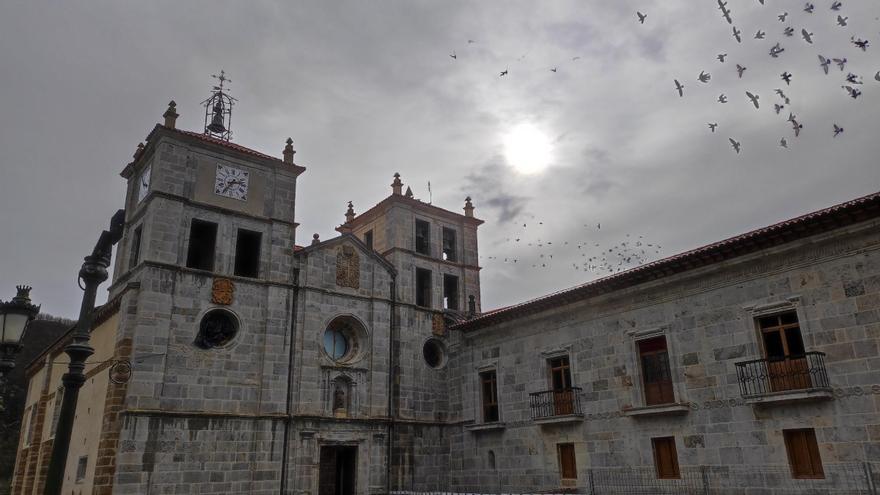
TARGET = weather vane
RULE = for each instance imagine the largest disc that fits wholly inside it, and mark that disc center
(218, 110)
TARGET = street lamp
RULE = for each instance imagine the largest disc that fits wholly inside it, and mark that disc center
(14, 318)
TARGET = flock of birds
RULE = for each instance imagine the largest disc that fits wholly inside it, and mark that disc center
(852, 83)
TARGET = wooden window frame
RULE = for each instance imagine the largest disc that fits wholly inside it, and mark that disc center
(666, 387)
(668, 442)
(816, 471)
(489, 404)
(567, 459)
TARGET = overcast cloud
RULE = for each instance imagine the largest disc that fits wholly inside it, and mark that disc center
(366, 89)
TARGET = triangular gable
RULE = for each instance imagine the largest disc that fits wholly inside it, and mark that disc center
(359, 245)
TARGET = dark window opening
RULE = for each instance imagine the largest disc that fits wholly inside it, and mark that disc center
(247, 253)
(489, 387)
(448, 244)
(567, 463)
(803, 453)
(450, 292)
(656, 375)
(784, 349)
(423, 287)
(218, 328)
(81, 466)
(423, 237)
(202, 240)
(560, 373)
(665, 458)
(368, 238)
(134, 254)
(433, 353)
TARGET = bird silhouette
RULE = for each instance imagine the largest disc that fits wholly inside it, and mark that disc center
(760, 35)
(783, 143)
(841, 62)
(786, 76)
(553, 69)
(853, 92)
(877, 76)
(703, 77)
(836, 6)
(841, 21)
(808, 37)
(641, 17)
(837, 130)
(824, 63)
(754, 99)
(712, 126)
(853, 79)
(503, 73)
(471, 41)
(778, 107)
(795, 124)
(782, 95)
(809, 8)
(722, 98)
(453, 55)
(740, 69)
(788, 31)
(680, 87)
(721, 57)
(736, 145)
(863, 44)
(725, 12)
(737, 34)
(782, 16)
(776, 50)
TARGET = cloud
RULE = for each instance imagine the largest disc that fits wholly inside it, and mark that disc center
(487, 184)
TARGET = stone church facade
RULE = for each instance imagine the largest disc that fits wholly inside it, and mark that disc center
(364, 364)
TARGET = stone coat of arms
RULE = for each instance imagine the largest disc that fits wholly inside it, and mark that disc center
(222, 290)
(348, 268)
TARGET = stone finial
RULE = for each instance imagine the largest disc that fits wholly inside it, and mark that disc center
(288, 151)
(397, 185)
(468, 207)
(316, 239)
(408, 192)
(171, 115)
(349, 214)
(138, 151)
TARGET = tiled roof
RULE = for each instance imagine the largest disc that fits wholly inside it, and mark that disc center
(227, 144)
(850, 212)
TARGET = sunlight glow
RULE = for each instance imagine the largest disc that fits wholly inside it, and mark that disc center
(527, 149)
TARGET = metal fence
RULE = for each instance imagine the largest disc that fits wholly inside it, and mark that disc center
(765, 376)
(551, 403)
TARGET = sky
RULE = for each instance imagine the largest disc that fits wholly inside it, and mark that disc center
(571, 162)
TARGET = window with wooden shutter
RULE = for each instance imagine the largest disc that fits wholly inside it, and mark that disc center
(656, 374)
(567, 464)
(803, 453)
(784, 349)
(665, 458)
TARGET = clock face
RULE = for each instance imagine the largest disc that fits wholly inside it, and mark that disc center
(231, 182)
(143, 184)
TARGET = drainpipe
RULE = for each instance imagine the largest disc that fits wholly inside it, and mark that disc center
(289, 416)
(392, 366)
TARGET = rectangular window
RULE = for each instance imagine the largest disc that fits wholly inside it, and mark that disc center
(368, 238)
(31, 425)
(665, 457)
(450, 291)
(81, 466)
(56, 411)
(423, 237)
(489, 387)
(134, 254)
(247, 253)
(448, 244)
(202, 239)
(803, 453)
(567, 464)
(560, 383)
(423, 287)
(656, 375)
(784, 349)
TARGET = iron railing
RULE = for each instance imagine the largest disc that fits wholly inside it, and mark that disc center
(552, 403)
(767, 376)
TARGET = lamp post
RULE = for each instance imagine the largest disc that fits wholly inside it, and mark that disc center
(14, 318)
(92, 274)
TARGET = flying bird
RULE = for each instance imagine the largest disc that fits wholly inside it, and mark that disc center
(740, 69)
(641, 17)
(721, 57)
(575, 58)
(795, 125)
(754, 99)
(837, 130)
(877, 76)
(782, 16)
(808, 37)
(788, 31)
(778, 107)
(760, 35)
(824, 63)
(725, 12)
(553, 69)
(841, 21)
(471, 41)
(836, 6)
(863, 44)
(853, 79)
(453, 55)
(783, 143)
(853, 92)
(679, 87)
(782, 95)
(776, 50)
(703, 77)
(722, 98)
(809, 8)
(786, 76)
(503, 73)
(841, 62)
(736, 145)
(737, 34)
(712, 125)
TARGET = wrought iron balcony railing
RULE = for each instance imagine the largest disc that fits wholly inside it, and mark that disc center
(552, 403)
(791, 373)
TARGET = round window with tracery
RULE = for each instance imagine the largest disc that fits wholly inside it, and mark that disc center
(343, 339)
(217, 329)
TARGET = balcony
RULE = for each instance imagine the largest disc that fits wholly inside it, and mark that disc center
(556, 406)
(784, 380)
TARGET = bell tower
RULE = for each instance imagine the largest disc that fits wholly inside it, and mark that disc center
(218, 110)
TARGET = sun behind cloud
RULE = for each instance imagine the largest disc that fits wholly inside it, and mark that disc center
(527, 149)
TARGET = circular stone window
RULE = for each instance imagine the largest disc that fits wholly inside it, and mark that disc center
(342, 339)
(434, 353)
(217, 329)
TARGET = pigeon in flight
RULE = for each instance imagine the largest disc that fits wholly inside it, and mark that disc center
(837, 130)
(754, 99)
(824, 63)
(786, 76)
(782, 95)
(782, 16)
(722, 98)
(776, 50)
(836, 6)
(760, 35)
(788, 31)
(737, 34)
(841, 21)
(641, 17)
(703, 77)
(471, 41)
(841, 62)
(809, 8)
(877, 76)
(740, 69)
(778, 107)
(808, 37)
(712, 125)
(453, 55)
(553, 69)
(575, 58)
(863, 44)
(679, 87)
(736, 145)
(783, 143)
(721, 57)
(503, 73)
(794, 123)
(725, 12)
(853, 79)
(853, 92)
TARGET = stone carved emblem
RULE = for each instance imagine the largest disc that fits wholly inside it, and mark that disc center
(438, 325)
(222, 290)
(348, 268)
